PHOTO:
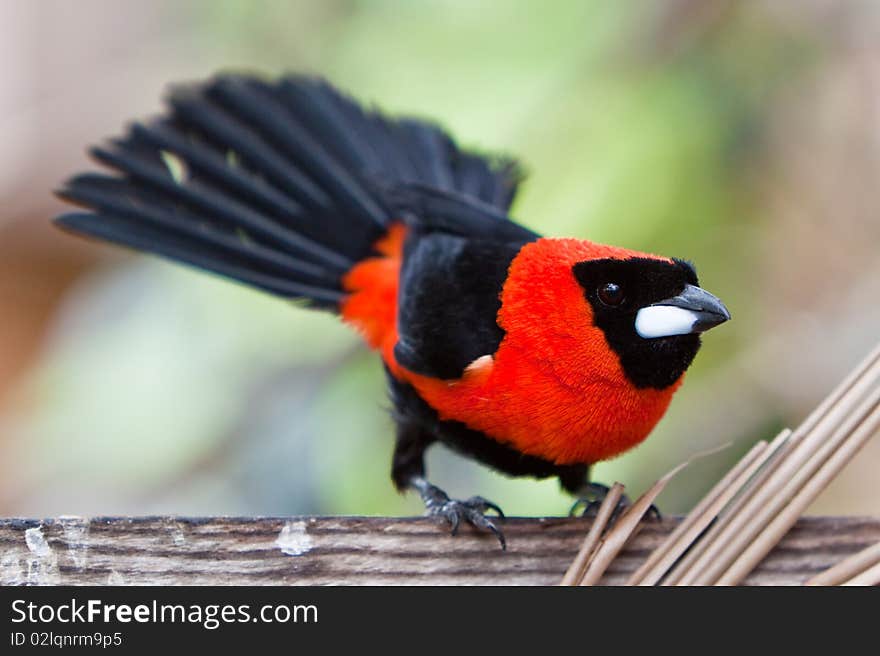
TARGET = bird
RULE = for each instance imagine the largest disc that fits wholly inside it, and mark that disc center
(535, 356)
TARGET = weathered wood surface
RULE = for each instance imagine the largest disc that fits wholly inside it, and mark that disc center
(358, 550)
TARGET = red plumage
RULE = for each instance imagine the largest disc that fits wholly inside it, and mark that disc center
(554, 389)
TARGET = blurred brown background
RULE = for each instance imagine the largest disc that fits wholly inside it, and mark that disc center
(744, 136)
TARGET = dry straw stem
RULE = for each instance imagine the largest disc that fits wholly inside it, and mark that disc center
(579, 565)
(840, 391)
(654, 567)
(629, 522)
(780, 525)
(799, 471)
(687, 569)
(703, 514)
(870, 576)
(798, 462)
(848, 568)
(623, 530)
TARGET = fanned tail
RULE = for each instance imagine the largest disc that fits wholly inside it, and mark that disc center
(274, 184)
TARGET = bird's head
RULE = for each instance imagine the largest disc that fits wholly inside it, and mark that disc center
(595, 311)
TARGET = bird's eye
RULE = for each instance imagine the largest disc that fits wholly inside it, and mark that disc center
(611, 294)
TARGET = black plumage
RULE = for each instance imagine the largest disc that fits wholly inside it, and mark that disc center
(280, 185)
(655, 363)
(450, 294)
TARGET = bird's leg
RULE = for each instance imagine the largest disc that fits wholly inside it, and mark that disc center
(408, 472)
(590, 495)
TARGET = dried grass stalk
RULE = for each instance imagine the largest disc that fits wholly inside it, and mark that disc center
(780, 525)
(870, 576)
(626, 527)
(577, 568)
(694, 560)
(848, 568)
(843, 388)
(799, 461)
(703, 514)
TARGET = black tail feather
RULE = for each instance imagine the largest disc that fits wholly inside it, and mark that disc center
(136, 234)
(198, 114)
(254, 104)
(431, 151)
(216, 204)
(120, 199)
(282, 186)
(212, 165)
(337, 122)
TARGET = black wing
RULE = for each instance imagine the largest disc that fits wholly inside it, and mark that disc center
(450, 294)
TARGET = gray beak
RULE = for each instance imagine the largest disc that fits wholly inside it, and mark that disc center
(694, 310)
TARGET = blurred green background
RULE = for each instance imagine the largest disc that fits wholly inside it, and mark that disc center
(744, 136)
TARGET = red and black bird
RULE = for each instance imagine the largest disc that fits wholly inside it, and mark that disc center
(537, 356)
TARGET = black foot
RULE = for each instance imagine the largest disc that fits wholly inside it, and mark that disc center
(473, 510)
(592, 495)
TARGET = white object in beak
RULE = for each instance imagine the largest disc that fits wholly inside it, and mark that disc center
(664, 321)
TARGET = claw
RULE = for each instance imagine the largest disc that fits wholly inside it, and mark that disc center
(593, 496)
(454, 518)
(476, 517)
(484, 505)
(498, 534)
(438, 504)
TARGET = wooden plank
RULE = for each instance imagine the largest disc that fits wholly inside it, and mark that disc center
(359, 551)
